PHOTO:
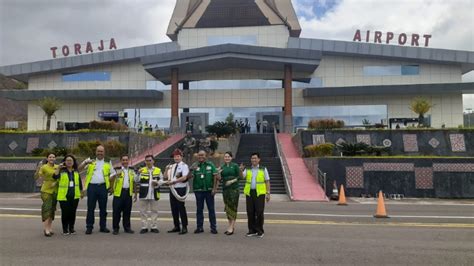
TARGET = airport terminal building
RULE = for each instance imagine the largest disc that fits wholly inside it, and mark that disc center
(246, 57)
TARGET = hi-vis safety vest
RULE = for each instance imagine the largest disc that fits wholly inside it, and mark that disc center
(64, 186)
(260, 182)
(105, 172)
(119, 182)
(145, 182)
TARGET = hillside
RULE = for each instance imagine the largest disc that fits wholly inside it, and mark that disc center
(12, 110)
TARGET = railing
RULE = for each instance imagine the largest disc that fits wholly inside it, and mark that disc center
(322, 179)
(284, 164)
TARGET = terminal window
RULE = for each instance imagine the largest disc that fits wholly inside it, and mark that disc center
(86, 76)
(403, 70)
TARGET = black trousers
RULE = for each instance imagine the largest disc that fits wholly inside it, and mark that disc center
(68, 213)
(96, 193)
(178, 209)
(122, 206)
(255, 209)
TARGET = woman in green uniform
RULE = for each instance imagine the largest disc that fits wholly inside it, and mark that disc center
(230, 173)
(49, 189)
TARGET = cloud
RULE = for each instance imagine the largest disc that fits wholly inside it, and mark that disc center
(28, 28)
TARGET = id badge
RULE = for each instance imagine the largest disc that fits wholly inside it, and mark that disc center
(71, 184)
(202, 176)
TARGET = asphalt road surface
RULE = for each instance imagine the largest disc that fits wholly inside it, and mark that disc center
(421, 232)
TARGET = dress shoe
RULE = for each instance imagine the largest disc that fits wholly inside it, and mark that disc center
(115, 232)
(174, 230)
(155, 230)
(183, 231)
(88, 231)
(229, 233)
(144, 231)
(104, 230)
(214, 231)
(198, 230)
(251, 234)
(47, 234)
(129, 231)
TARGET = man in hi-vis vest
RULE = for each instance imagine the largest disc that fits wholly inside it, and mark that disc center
(123, 191)
(257, 191)
(97, 186)
(148, 182)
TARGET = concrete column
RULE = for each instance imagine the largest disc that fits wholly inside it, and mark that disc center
(288, 103)
(174, 125)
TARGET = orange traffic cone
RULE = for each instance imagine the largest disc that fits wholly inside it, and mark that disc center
(342, 197)
(381, 213)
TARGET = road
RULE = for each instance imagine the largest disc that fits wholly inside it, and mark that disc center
(423, 232)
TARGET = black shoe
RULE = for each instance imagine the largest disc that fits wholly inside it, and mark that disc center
(47, 234)
(174, 230)
(105, 230)
(115, 232)
(88, 231)
(183, 231)
(199, 230)
(251, 234)
(143, 231)
(65, 233)
(72, 231)
(260, 235)
(129, 231)
(155, 230)
(229, 233)
(214, 231)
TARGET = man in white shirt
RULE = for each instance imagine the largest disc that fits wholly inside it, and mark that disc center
(257, 191)
(148, 181)
(97, 185)
(176, 175)
(122, 202)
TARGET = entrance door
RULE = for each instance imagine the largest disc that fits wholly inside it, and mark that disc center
(271, 119)
(194, 122)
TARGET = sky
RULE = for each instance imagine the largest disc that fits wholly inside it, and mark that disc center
(28, 28)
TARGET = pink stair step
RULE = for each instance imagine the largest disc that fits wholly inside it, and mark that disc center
(304, 185)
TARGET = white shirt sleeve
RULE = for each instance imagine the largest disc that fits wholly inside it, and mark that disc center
(267, 177)
(184, 170)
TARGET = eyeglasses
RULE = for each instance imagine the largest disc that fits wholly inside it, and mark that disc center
(148, 160)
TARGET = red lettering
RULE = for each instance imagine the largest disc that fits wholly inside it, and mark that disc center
(389, 37)
(112, 44)
(367, 36)
(378, 37)
(427, 39)
(357, 36)
(88, 47)
(65, 50)
(414, 39)
(402, 39)
(77, 48)
(53, 49)
(101, 46)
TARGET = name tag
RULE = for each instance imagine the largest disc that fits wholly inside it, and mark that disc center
(71, 184)
(208, 168)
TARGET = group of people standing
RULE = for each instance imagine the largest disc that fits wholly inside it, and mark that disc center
(62, 183)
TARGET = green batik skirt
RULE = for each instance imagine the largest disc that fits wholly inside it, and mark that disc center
(231, 201)
(49, 206)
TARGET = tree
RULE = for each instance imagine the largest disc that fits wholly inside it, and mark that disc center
(49, 105)
(420, 106)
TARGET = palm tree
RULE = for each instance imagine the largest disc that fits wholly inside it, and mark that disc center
(420, 106)
(49, 105)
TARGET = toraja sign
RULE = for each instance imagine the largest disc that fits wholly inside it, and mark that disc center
(77, 49)
(389, 37)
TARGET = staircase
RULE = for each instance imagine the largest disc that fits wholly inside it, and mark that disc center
(265, 145)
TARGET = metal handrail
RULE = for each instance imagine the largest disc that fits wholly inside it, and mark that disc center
(322, 179)
(286, 171)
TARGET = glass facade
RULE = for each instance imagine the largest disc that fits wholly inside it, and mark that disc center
(86, 76)
(234, 84)
(404, 70)
(244, 39)
(352, 115)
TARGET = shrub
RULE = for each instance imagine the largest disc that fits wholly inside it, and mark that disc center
(113, 148)
(58, 151)
(352, 149)
(325, 149)
(325, 124)
(221, 129)
(214, 145)
(37, 152)
(107, 125)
